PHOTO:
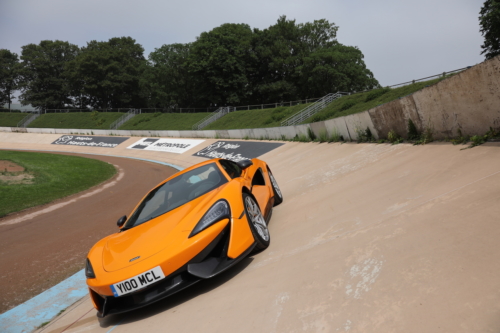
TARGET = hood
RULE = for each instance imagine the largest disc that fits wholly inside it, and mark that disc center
(151, 237)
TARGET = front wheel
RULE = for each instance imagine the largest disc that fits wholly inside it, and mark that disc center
(257, 223)
(278, 196)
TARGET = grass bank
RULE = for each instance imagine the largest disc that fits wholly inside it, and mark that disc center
(76, 120)
(11, 119)
(360, 102)
(54, 176)
(163, 121)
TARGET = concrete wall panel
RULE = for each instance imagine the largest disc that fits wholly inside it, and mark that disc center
(337, 126)
(360, 122)
(469, 101)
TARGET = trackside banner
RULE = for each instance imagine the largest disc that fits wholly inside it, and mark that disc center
(90, 141)
(237, 150)
(177, 146)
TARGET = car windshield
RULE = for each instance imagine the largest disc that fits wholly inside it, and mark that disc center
(176, 192)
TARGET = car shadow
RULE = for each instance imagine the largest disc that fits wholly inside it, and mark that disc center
(202, 287)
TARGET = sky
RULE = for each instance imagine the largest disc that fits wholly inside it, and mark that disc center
(401, 40)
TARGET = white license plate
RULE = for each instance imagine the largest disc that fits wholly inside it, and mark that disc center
(137, 282)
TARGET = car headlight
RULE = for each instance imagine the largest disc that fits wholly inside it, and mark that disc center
(89, 271)
(220, 210)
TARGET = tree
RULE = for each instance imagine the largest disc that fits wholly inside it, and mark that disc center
(279, 50)
(489, 20)
(107, 74)
(167, 80)
(43, 82)
(335, 68)
(9, 75)
(305, 60)
(221, 60)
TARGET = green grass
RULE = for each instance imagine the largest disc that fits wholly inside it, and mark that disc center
(256, 118)
(360, 102)
(11, 119)
(163, 121)
(56, 176)
(76, 120)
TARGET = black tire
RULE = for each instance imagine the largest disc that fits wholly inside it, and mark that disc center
(278, 196)
(257, 223)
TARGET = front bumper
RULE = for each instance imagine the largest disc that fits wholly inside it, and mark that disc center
(208, 263)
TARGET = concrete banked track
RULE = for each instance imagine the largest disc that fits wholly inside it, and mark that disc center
(370, 238)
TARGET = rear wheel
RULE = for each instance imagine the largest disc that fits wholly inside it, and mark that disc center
(278, 196)
(257, 223)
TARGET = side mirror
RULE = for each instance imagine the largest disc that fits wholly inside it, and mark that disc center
(243, 164)
(121, 221)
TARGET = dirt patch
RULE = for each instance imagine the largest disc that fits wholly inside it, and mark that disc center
(11, 178)
(8, 166)
(12, 174)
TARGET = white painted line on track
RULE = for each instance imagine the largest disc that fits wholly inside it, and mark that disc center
(53, 207)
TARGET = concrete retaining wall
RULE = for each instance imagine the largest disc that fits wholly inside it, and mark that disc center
(468, 101)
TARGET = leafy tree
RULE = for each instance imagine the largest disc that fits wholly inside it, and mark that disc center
(306, 60)
(107, 74)
(279, 50)
(167, 81)
(489, 21)
(221, 61)
(9, 75)
(335, 68)
(319, 34)
(43, 83)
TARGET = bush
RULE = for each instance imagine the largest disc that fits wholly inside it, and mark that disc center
(311, 134)
(323, 136)
(412, 131)
(394, 137)
(365, 135)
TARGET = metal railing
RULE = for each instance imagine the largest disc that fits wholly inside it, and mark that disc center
(312, 109)
(217, 114)
(444, 74)
(28, 119)
(126, 117)
(275, 105)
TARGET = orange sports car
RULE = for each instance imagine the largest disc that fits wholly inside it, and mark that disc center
(193, 226)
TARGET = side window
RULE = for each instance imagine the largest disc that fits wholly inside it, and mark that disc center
(232, 169)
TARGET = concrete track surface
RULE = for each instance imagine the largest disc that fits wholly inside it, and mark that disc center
(370, 238)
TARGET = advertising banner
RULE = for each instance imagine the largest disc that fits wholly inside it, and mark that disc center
(177, 146)
(90, 141)
(237, 150)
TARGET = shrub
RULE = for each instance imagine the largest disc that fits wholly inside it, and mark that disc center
(364, 135)
(412, 131)
(311, 134)
(323, 136)
(394, 137)
(335, 136)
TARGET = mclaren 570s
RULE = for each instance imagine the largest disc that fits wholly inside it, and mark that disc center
(192, 226)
